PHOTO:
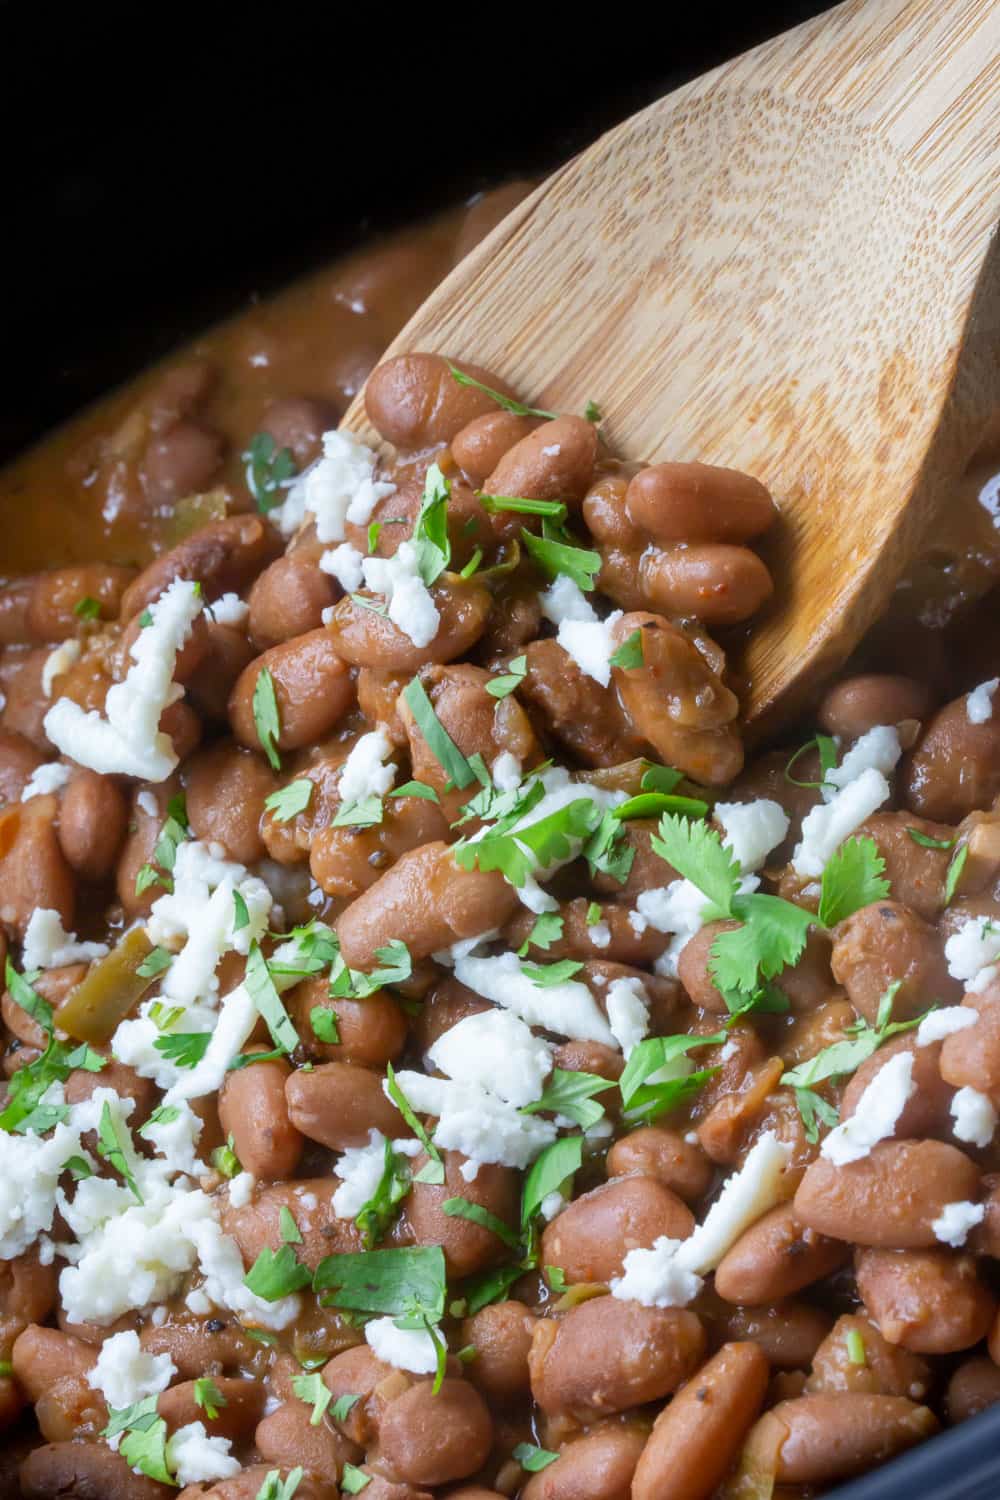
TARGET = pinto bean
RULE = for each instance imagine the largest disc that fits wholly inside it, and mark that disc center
(884, 943)
(655, 1151)
(591, 1238)
(337, 1104)
(378, 693)
(50, 613)
(889, 1198)
(926, 1112)
(718, 584)
(254, 1111)
(92, 818)
(27, 704)
(825, 1438)
(584, 716)
(428, 1439)
(624, 946)
(143, 830)
(227, 653)
(856, 704)
(372, 1031)
(298, 424)
(125, 1081)
(288, 1437)
(309, 1200)
(246, 1485)
(597, 1466)
(226, 788)
(973, 1387)
(179, 461)
(51, 1368)
(201, 1346)
(182, 726)
(726, 1128)
(238, 1414)
(367, 639)
(346, 861)
(357, 1372)
(427, 902)
(916, 874)
(223, 557)
(693, 968)
(554, 462)
(606, 1356)
(33, 868)
(83, 1471)
(467, 1247)
(955, 767)
(971, 1058)
(288, 599)
(15, 599)
(775, 1257)
(886, 1370)
(415, 401)
(930, 1301)
(28, 1293)
(677, 502)
(501, 1336)
(312, 686)
(482, 443)
(789, 1332)
(18, 760)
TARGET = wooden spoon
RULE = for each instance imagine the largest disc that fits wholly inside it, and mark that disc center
(788, 266)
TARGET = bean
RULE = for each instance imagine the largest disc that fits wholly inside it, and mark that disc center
(554, 462)
(288, 1437)
(718, 584)
(606, 1356)
(885, 943)
(200, 1346)
(927, 1111)
(224, 557)
(427, 902)
(298, 423)
(15, 599)
(26, 704)
(856, 704)
(226, 788)
(973, 1387)
(647, 871)
(726, 1128)
(33, 868)
(377, 696)
(696, 1438)
(227, 654)
(468, 1247)
(27, 1295)
(356, 1372)
(591, 1238)
(372, 1031)
(808, 1034)
(822, 1439)
(137, 850)
(915, 873)
(971, 1058)
(693, 967)
(667, 1155)
(254, 1111)
(180, 461)
(891, 1197)
(885, 1370)
(776, 1257)
(288, 599)
(52, 1368)
(581, 714)
(624, 945)
(448, 1003)
(597, 1466)
(92, 818)
(985, 1238)
(789, 1333)
(125, 1081)
(83, 1471)
(312, 686)
(257, 1225)
(367, 639)
(482, 443)
(240, 1410)
(182, 725)
(50, 612)
(929, 1301)
(501, 1336)
(338, 1104)
(430, 1439)
(18, 760)
(346, 861)
(415, 402)
(955, 767)
(247, 1486)
(691, 502)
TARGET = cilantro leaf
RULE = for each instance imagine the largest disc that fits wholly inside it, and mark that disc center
(288, 1230)
(366, 812)
(926, 842)
(487, 1287)
(827, 749)
(545, 976)
(268, 468)
(324, 1025)
(21, 990)
(353, 1480)
(208, 1396)
(433, 1172)
(274, 1275)
(241, 912)
(290, 800)
(115, 1145)
(652, 804)
(475, 1213)
(343, 1406)
(87, 608)
(697, 852)
(261, 988)
(549, 1171)
(608, 851)
(266, 717)
(815, 1111)
(548, 929)
(658, 1078)
(555, 510)
(376, 1216)
(311, 1390)
(954, 873)
(274, 1487)
(185, 1049)
(629, 654)
(146, 1449)
(503, 686)
(430, 529)
(532, 1458)
(660, 778)
(165, 1115)
(519, 850)
(439, 741)
(772, 936)
(507, 402)
(557, 557)
(416, 789)
(853, 878)
(395, 1283)
(174, 831)
(225, 1161)
(156, 960)
(571, 1093)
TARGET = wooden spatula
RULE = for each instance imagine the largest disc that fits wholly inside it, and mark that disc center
(788, 266)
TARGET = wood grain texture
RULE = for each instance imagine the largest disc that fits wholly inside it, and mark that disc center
(788, 266)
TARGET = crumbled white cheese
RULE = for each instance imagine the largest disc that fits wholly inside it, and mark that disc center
(877, 1113)
(197, 1458)
(47, 944)
(565, 600)
(877, 750)
(368, 771)
(229, 609)
(600, 935)
(569, 1009)
(50, 777)
(975, 1117)
(410, 1349)
(126, 739)
(943, 1023)
(826, 827)
(30, 1167)
(591, 645)
(745, 1197)
(552, 1205)
(505, 772)
(751, 830)
(954, 1222)
(236, 1020)
(339, 487)
(221, 1265)
(655, 1278)
(678, 908)
(125, 1373)
(360, 1170)
(146, 803)
(476, 1123)
(627, 1005)
(979, 703)
(553, 450)
(59, 661)
(344, 563)
(410, 603)
(241, 1189)
(496, 1051)
(175, 1139)
(972, 952)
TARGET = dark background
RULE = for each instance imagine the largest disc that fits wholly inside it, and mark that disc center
(163, 165)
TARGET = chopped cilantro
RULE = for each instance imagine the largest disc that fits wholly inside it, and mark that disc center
(556, 556)
(608, 851)
(644, 1100)
(503, 686)
(571, 1094)
(439, 741)
(548, 929)
(954, 873)
(555, 510)
(376, 1216)
(174, 831)
(185, 1049)
(397, 1283)
(365, 813)
(274, 1487)
(853, 878)
(592, 412)
(433, 1171)
(545, 976)
(156, 960)
(416, 789)
(343, 1406)
(532, 1458)
(268, 468)
(475, 1213)
(263, 993)
(115, 1145)
(165, 1115)
(290, 800)
(324, 1025)
(507, 402)
(241, 913)
(208, 1396)
(288, 1231)
(353, 1480)
(274, 1275)
(926, 842)
(522, 848)
(87, 608)
(311, 1390)
(225, 1161)
(430, 529)
(266, 717)
(827, 749)
(629, 654)
(549, 1171)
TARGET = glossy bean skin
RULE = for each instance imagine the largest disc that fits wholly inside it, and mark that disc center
(227, 654)
(366, 639)
(242, 1409)
(718, 584)
(789, 1333)
(955, 767)
(18, 760)
(33, 868)
(92, 819)
(337, 1104)
(655, 1151)
(973, 1387)
(889, 1198)
(223, 557)
(482, 443)
(257, 1225)
(971, 1058)
(578, 711)
(554, 462)
(696, 1438)
(287, 1437)
(83, 1471)
(625, 945)
(226, 787)
(346, 861)
(886, 942)
(50, 613)
(929, 1301)
(825, 1438)
(887, 1369)
(179, 460)
(288, 599)
(694, 967)
(26, 704)
(312, 686)
(590, 1239)
(597, 1466)
(125, 1081)
(692, 502)
(605, 1356)
(501, 1336)
(356, 1372)
(200, 1345)
(856, 704)
(427, 902)
(426, 1439)
(776, 1257)
(254, 1111)
(415, 401)
(467, 1247)
(916, 874)
(246, 1486)
(28, 1292)
(143, 830)
(51, 1367)
(15, 597)
(372, 1031)
(298, 424)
